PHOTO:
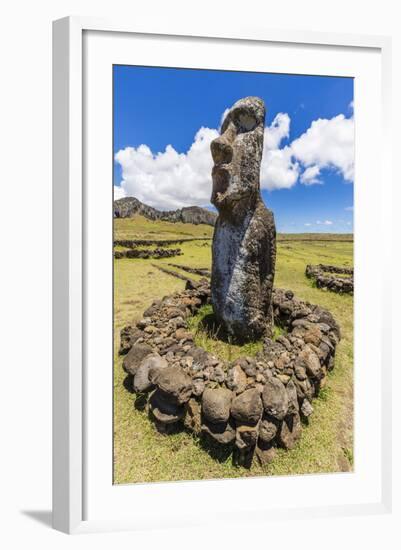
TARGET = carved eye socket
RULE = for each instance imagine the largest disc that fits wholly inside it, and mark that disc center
(246, 122)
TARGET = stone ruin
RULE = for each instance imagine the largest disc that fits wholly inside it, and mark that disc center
(144, 253)
(253, 404)
(329, 276)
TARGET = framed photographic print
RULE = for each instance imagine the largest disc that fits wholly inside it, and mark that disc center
(218, 226)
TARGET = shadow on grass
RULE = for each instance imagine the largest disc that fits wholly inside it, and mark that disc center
(140, 401)
(128, 383)
(217, 451)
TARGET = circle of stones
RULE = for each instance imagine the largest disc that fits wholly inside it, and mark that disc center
(251, 405)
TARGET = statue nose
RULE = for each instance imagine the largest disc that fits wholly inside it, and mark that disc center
(222, 152)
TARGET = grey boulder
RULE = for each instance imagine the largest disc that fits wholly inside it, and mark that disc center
(275, 398)
(247, 407)
(216, 404)
(135, 356)
(174, 382)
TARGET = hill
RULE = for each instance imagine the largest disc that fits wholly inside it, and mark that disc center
(129, 207)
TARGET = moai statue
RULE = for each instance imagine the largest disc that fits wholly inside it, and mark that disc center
(244, 241)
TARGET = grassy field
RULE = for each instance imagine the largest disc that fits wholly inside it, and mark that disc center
(142, 228)
(141, 454)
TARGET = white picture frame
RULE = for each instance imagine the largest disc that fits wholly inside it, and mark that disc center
(69, 258)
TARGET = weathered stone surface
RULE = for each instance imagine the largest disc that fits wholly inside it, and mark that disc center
(246, 436)
(293, 406)
(247, 407)
(128, 337)
(192, 419)
(268, 429)
(164, 410)
(244, 241)
(176, 383)
(306, 408)
(275, 398)
(182, 334)
(313, 335)
(310, 361)
(148, 371)
(304, 389)
(222, 432)
(141, 379)
(290, 431)
(216, 404)
(198, 387)
(134, 357)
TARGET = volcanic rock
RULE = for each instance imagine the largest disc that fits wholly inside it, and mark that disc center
(216, 404)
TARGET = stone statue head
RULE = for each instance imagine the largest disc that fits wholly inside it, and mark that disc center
(237, 155)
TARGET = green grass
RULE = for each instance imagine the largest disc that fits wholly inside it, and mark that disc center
(142, 228)
(141, 454)
(208, 336)
(343, 237)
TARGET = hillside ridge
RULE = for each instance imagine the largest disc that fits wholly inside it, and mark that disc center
(128, 207)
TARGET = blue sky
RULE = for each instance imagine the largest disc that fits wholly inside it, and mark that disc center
(308, 159)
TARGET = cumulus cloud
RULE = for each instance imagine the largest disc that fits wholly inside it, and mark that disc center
(328, 143)
(169, 179)
(278, 170)
(277, 131)
(326, 222)
(311, 175)
(119, 192)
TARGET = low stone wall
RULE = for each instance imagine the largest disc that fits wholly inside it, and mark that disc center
(145, 254)
(133, 243)
(329, 276)
(252, 404)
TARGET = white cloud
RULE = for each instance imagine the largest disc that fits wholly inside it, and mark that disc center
(328, 143)
(311, 175)
(349, 208)
(169, 180)
(326, 222)
(278, 170)
(307, 224)
(119, 192)
(277, 131)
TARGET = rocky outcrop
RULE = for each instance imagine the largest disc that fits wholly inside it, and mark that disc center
(244, 241)
(329, 277)
(253, 404)
(130, 206)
